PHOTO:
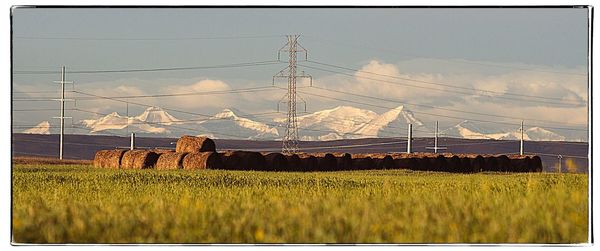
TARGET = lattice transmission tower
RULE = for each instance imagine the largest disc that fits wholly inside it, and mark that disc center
(292, 47)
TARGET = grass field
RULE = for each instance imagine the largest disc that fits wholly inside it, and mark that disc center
(79, 204)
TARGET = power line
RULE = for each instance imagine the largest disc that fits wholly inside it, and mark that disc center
(438, 84)
(431, 88)
(198, 114)
(435, 107)
(148, 39)
(265, 88)
(162, 124)
(431, 114)
(39, 109)
(247, 64)
(209, 117)
(320, 147)
(203, 115)
(555, 155)
(322, 40)
(230, 91)
(15, 92)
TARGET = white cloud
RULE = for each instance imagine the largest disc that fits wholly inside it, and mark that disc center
(200, 101)
(545, 84)
(129, 90)
(505, 80)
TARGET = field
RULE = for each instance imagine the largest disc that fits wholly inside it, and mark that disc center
(80, 204)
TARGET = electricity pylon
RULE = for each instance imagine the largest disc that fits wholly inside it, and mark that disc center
(290, 139)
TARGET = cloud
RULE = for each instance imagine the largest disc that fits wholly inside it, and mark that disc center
(377, 79)
(126, 90)
(200, 101)
(369, 82)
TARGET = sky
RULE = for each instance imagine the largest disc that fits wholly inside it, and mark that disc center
(399, 52)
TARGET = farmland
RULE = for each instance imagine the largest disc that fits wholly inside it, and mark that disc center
(81, 204)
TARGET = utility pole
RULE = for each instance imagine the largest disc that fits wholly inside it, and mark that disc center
(128, 119)
(290, 139)
(435, 140)
(132, 145)
(522, 131)
(62, 117)
(435, 147)
(409, 140)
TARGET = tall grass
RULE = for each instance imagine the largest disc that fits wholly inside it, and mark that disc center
(78, 204)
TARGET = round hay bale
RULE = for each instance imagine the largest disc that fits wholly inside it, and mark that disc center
(294, 162)
(191, 144)
(477, 164)
(168, 161)
(491, 164)
(99, 158)
(109, 158)
(365, 163)
(386, 162)
(424, 164)
(401, 163)
(344, 162)
(413, 164)
(276, 162)
(465, 165)
(453, 164)
(535, 165)
(309, 163)
(202, 160)
(230, 161)
(161, 151)
(503, 163)
(139, 159)
(250, 160)
(520, 165)
(439, 164)
(327, 163)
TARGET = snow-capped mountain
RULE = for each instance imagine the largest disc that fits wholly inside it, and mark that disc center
(41, 128)
(336, 123)
(342, 122)
(391, 123)
(469, 130)
(157, 115)
(541, 134)
(229, 123)
(116, 122)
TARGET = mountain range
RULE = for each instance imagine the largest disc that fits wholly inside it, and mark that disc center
(342, 122)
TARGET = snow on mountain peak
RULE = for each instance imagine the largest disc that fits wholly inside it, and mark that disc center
(157, 115)
(336, 123)
(398, 116)
(225, 114)
(41, 128)
(541, 134)
(114, 121)
(229, 121)
(341, 120)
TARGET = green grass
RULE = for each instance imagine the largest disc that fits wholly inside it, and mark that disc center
(79, 204)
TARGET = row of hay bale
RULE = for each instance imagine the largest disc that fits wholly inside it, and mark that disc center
(190, 153)
(244, 160)
(200, 153)
(479, 163)
(156, 159)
